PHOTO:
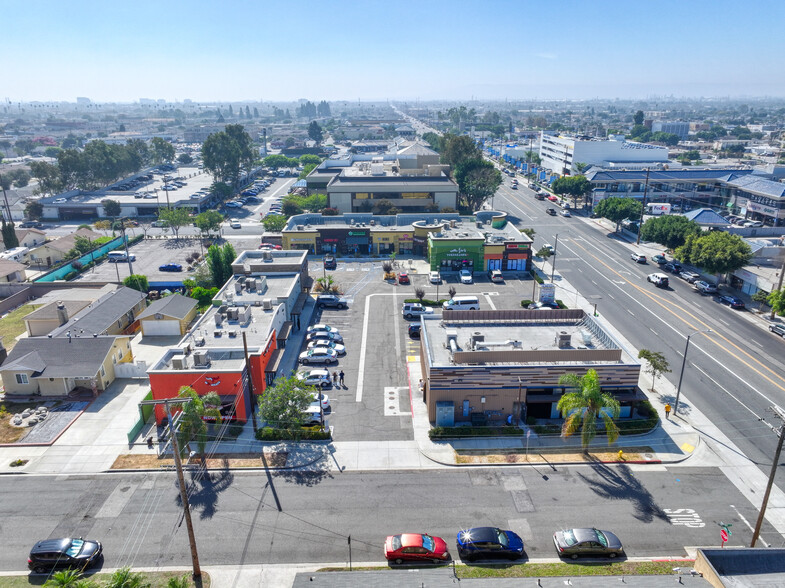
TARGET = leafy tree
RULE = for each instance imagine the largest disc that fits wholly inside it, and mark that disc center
(477, 180)
(777, 302)
(228, 255)
(101, 225)
(383, 206)
(208, 221)
(289, 142)
(458, 149)
(315, 132)
(307, 169)
(638, 118)
(309, 158)
(617, 209)
(533, 158)
(137, 282)
(20, 177)
(671, 231)
(203, 295)
(669, 139)
(82, 245)
(216, 265)
(226, 152)
(185, 158)
(434, 140)
(125, 578)
(290, 207)
(34, 210)
(716, 252)
(274, 223)
(658, 365)
(175, 218)
(282, 404)
(419, 293)
(111, 208)
(575, 186)
(192, 424)
(582, 408)
(761, 297)
(544, 252)
(277, 161)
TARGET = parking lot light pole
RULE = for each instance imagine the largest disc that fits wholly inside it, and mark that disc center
(681, 374)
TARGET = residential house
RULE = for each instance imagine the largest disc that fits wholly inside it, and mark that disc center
(114, 313)
(57, 366)
(54, 252)
(11, 271)
(30, 238)
(168, 316)
(46, 319)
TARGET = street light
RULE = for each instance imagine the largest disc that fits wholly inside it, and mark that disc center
(683, 363)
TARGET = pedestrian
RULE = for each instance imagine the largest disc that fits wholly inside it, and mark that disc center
(340, 376)
(335, 378)
(667, 411)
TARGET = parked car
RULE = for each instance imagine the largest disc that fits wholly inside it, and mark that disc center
(331, 300)
(329, 262)
(325, 400)
(466, 276)
(659, 280)
(159, 224)
(318, 343)
(235, 224)
(403, 278)
(550, 248)
(689, 277)
(315, 335)
(777, 330)
(77, 553)
(414, 330)
(705, 287)
(30, 224)
(672, 266)
(496, 276)
(637, 257)
(565, 212)
(732, 301)
(413, 309)
(435, 277)
(315, 378)
(321, 327)
(415, 547)
(170, 267)
(489, 542)
(551, 211)
(574, 543)
(318, 355)
(660, 259)
(269, 246)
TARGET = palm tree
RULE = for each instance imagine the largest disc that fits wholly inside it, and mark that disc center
(582, 408)
(69, 579)
(125, 578)
(182, 582)
(192, 424)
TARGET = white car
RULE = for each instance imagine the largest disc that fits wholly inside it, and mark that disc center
(550, 248)
(315, 378)
(466, 276)
(322, 327)
(565, 212)
(235, 224)
(412, 309)
(324, 336)
(337, 347)
(325, 400)
(318, 355)
(435, 277)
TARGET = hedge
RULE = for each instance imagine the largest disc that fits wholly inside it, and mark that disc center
(426, 301)
(536, 277)
(439, 432)
(303, 434)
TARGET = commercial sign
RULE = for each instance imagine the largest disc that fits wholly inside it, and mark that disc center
(754, 207)
(357, 233)
(301, 239)
(516, 246)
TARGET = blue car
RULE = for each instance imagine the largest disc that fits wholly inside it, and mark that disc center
(485, 542)
(170, 267)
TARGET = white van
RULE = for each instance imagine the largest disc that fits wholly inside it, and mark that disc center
(119, 256)
(462, 303)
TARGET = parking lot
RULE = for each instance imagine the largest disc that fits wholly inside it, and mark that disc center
(375, 402)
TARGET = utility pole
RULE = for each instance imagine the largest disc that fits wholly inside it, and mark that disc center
(553, 263)
(781, 415)
(181, 480)
(125, 243)
(643, 208)
(252, 399)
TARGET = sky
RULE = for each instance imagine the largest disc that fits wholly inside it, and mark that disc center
(269, 50)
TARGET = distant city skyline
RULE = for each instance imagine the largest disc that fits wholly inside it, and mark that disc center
(374, 51)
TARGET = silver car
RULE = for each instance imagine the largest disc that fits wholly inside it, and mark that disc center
(574, 543)
(318, 355)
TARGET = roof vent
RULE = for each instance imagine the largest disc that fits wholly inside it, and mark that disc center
(563, 340)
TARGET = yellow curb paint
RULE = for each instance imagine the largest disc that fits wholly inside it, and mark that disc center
(686, 447)
(411, 358)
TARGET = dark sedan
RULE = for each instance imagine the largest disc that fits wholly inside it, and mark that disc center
(732, 301)
(672, 266)
(482, 542)
(170, 267)
(574, 543)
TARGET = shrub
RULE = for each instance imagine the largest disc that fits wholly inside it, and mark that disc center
(440, 432)
(426, 302)
(77, 265)
(561, 304)
(525, 303)
(304, 434)
(70, 275)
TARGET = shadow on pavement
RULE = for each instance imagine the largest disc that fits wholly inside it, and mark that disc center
(204, 489)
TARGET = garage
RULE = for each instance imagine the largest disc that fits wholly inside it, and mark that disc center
(160, 328)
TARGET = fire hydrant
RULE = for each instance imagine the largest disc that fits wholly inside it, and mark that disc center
(621, 455)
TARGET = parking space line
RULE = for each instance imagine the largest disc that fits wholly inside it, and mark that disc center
(490, 302)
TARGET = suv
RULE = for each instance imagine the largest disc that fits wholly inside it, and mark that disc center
(777, 330)
(637, 257)
(673, 267)
(705, 287)
(659, 280)
(496, 276)
(412, 309)
(551, 211)
(315, 378)
(414, 330)
(689, 277)
(331, 300)
(329, 262)
(64, 553)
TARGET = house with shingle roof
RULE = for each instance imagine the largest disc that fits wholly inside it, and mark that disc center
(55, 251)
(114, 313)
(167, 316)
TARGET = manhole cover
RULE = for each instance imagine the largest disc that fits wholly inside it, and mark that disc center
(648, 455)
(391, 407)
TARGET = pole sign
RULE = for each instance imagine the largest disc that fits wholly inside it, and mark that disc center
(724, 535)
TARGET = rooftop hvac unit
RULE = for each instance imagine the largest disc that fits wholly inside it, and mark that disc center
(563, 339)
(219, 319)
(300, 227)
(179, 363)
(241, 279)
(452, 335)
(586, 337)
(267, 304)
(222, 309)
(199, 341)
(267, 255)
(479, 224)
(452, 223)
(201, 358)
(234, 314)
(251, 285)
(476, 338)
(187, 349)
(238, 287)
(217, 333)
(233, 333)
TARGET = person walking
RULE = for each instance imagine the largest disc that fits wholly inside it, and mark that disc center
(335, 378)
(667, 411)
(340, 378)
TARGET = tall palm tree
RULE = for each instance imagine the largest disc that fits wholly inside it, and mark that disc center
(583, 407)
(192, 424)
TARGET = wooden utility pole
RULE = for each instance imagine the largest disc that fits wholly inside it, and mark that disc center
(252, 398)
(781, 415)
(643, 208)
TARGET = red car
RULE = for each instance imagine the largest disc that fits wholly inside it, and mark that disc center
(553, 198)
(269, 246)
(415, 547)
(403, 278)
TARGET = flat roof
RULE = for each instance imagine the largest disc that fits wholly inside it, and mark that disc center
(252, 291)
(536, 330)
(231, 359)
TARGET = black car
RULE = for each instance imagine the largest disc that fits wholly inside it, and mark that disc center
(329, 262)
(482, 542)
(672, 266)
(331, 300)
(732, 301)
(574, 543)
(64, 553)
(414, 330)
(551, 211)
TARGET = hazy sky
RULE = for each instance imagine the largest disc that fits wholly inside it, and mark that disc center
(341, 49)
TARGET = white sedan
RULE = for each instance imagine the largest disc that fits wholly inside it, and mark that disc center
(235, 224)
(565, 212)
(325, 400)
(435, 278)
(322, 327)
(466, 276)
(319, 343)
(318, 355)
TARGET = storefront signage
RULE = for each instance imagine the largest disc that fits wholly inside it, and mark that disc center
(382, 239)
(301, 240)
(330, 240)
(357, 233)
(760, 208)
(404, 237)
(517, 246)
(457, 251)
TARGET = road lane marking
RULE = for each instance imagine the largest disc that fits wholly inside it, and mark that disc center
(364, 343)
(746, 522)
(490, 302)
(731, 394)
